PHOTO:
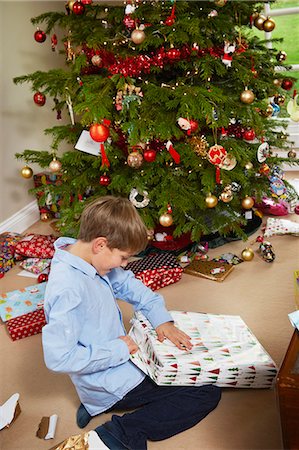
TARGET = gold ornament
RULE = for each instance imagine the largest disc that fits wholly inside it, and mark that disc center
(279, 99)
(281, 56)
(292, 154)
(226, 196)
(45, 216)
(211, 201)
(249, 165)
(26, 172)
(268, 25)
(55, 165)
(166, 220)
(70, 4)
(247, 254)
(247, 202)
(135, 159)
(220, 3)
(259, 22)
(277, 82)
(138, 36)
(199, 145)
(268, 111)
(247, 96)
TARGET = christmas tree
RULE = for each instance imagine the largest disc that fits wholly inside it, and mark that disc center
(171, 104)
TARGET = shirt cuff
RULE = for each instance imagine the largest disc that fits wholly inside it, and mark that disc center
(120, 352)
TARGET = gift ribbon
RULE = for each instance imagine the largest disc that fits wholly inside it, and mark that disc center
(174, 154)
(105, 160)
(78, 442)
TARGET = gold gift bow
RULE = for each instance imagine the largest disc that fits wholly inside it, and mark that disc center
(78, 442)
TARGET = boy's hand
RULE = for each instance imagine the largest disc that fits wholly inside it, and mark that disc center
(171, 332)
(132, 346)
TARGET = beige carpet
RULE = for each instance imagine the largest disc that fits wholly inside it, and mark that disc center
(262, 294)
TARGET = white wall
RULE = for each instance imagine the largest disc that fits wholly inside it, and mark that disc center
(21, 121)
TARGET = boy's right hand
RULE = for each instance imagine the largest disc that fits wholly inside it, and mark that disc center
(132, 346)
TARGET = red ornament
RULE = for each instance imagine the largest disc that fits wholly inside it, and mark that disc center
(129, 22)
(40, 36)
(287, 85)
(149, 155)
(99, 132)
(105, 180)
(193, 126)
(216, 154)
(1, 274)
(42, 278)
(249, 135)
(39, 99)
(173, 54)
(297, 209)
(78, 8)
(86, 2)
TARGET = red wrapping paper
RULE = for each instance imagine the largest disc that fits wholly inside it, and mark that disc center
(26, 325)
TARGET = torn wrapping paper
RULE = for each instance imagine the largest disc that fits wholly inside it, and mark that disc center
(26, 325)
(9, 411)
(224, 353)
(47, 427)
(281, 227)
(21, 301)
(294, 319)
(85, 441)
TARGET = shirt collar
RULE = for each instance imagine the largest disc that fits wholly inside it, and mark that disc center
(75, 261)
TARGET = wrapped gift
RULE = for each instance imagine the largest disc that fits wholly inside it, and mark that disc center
(21, 301)
(36, 246)
(10, 240)
(48, 203)
(156, 271)
(7, 260)
(224, 353)
(26, 325)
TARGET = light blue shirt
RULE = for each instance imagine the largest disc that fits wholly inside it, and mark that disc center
(84, 323)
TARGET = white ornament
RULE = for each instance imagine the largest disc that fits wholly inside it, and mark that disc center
(228, 53)
(184, 124)
(132, 197)
(129, 9)
(160, 237)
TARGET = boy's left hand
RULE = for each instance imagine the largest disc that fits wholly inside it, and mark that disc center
(170, 331)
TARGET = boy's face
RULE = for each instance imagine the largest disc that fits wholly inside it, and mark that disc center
(106, 259)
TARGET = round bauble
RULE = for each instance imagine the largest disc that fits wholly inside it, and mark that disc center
(42, 278)
(247, 96)
(279, 99)
(96, 60)
(281, 56)
(45, 216)
(211, 201)
(220, 3)
(135, 160)
(40, 36)
(105, 180)
(296, 209)
(292, 154)
(268, 111)
(247, 254)
(39, 99)
(247, 202)
(99, 132)
(69, 5)
(277, 82)
(259, 22)
(287, 85)
(166, 220)
(149, 155)
(248, 165)
(226, 196)
(86, 2)
(78, 8)
(268, 25)
(55, 165)
(249, 134)
(26, 172)
(138, 36)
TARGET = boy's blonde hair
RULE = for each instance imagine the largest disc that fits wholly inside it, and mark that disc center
(116, 219)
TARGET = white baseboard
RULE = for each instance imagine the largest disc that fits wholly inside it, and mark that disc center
(20, 221)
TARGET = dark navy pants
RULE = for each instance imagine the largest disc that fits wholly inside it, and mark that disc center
(163, 411)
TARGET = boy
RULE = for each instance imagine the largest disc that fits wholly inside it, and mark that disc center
(85, 336)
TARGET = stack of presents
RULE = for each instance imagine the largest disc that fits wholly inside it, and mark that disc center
(225, 352)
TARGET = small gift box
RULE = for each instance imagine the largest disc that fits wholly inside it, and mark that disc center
(224, 353)
(156, 271)
(47, 202)
(26, 325)
(6, 259)
(21, 301)
(36, 246)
